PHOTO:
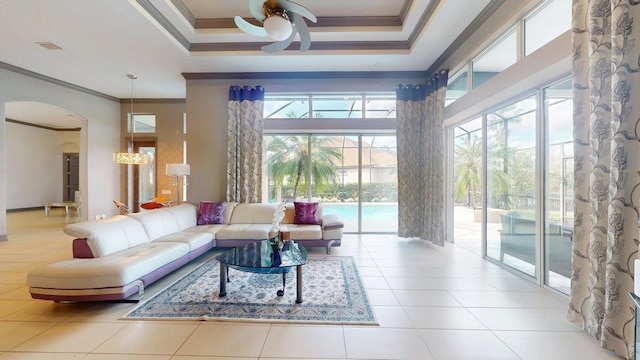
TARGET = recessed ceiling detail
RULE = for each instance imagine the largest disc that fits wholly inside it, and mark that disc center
(374, 25)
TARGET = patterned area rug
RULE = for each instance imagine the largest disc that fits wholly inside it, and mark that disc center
(332, 294)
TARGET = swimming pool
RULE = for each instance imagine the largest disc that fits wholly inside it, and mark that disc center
(376, 217)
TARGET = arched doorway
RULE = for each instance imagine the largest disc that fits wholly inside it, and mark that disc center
(39, 137)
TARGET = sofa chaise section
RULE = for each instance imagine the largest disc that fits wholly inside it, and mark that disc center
(118, 257)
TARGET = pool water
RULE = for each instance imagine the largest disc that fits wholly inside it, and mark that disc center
(376, 217)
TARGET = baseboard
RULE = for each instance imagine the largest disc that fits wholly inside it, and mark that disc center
(25, 209)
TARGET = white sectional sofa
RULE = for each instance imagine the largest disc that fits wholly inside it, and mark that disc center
(117, 257)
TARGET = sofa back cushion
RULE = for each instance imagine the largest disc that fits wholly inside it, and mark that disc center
(157, 223)
(253, 213)
(186, 215)
(105, 237)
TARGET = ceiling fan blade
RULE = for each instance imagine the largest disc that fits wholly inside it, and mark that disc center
(248, 27)
(255, 7)
(303, 30)
(280, 45)
(292, 7)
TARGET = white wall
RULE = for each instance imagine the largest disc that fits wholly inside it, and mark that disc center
(100, 137)
(35, 166)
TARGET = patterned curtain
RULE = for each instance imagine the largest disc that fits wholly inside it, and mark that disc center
(606, 83)
(244, 150)
(420, 141)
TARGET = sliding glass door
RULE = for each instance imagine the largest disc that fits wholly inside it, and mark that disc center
(558, 106)
(511, 185)
(354, 176)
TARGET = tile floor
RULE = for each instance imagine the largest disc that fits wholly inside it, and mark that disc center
(431, 302)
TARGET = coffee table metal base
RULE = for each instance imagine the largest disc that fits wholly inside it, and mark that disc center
(224, 278)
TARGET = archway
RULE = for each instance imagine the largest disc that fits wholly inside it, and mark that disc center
(36, 137)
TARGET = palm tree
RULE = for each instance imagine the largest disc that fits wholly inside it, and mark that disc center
(288, 161)
(467, 171)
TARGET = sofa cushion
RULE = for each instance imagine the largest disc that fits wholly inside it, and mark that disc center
(118, 269)
(186, 214)
(306, 213)
(209, 229)
(244, 232)
(305, 232)
(107, 236)
(253, 213)
(211, 212)
(157, 223)
(195, 240)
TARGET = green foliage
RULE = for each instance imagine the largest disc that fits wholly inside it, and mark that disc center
(288, 161)
(371, 192)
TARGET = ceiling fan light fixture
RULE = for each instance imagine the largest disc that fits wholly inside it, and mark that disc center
(277, 27)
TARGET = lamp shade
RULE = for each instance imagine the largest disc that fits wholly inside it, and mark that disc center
(178, 169)
(277, 27)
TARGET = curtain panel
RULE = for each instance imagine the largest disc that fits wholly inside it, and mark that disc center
(606, 83)
(244, 149)
(420, 141)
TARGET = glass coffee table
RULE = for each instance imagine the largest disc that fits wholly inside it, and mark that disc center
(262, 257)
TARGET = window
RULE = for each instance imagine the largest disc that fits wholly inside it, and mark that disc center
(330, 106)
(546, 23)
(457, 86)
(143, 123)
(502, 54)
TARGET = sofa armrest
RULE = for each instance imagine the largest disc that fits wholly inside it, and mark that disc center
(81, 249)
(332, 222)
(332, 226)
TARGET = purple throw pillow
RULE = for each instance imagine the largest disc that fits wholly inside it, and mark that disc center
(211, 212)
(305, 213)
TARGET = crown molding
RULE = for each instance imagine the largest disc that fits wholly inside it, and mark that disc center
(40, 126)
(154, 101)
(315, 45)
(51, 80)
(351, 21)
(308, 75)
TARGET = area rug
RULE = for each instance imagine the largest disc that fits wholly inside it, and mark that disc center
(332, 294)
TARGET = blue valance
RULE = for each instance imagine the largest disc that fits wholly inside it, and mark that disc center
(246, 93)
(422, 91)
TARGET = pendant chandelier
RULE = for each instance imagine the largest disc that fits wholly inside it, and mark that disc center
(131, 157)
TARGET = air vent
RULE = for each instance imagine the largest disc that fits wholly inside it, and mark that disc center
(49, 45)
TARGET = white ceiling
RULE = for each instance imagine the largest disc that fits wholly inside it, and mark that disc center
(158, 40)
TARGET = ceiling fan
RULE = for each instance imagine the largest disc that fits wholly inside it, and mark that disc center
(281, 20)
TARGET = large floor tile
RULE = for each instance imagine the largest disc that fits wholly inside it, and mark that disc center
(524, 319)
(126, 357)
(478, 345)
(226, 340)
(413, 283)
(442, 318)
(145, 338)
(557, 345)
(382, 297)
(425, 298)
(41, 356)
(297, 342)
(82, 338)
(13, 334)
(392, 316)
(484, 299)
(380, 343)
(467, 284)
